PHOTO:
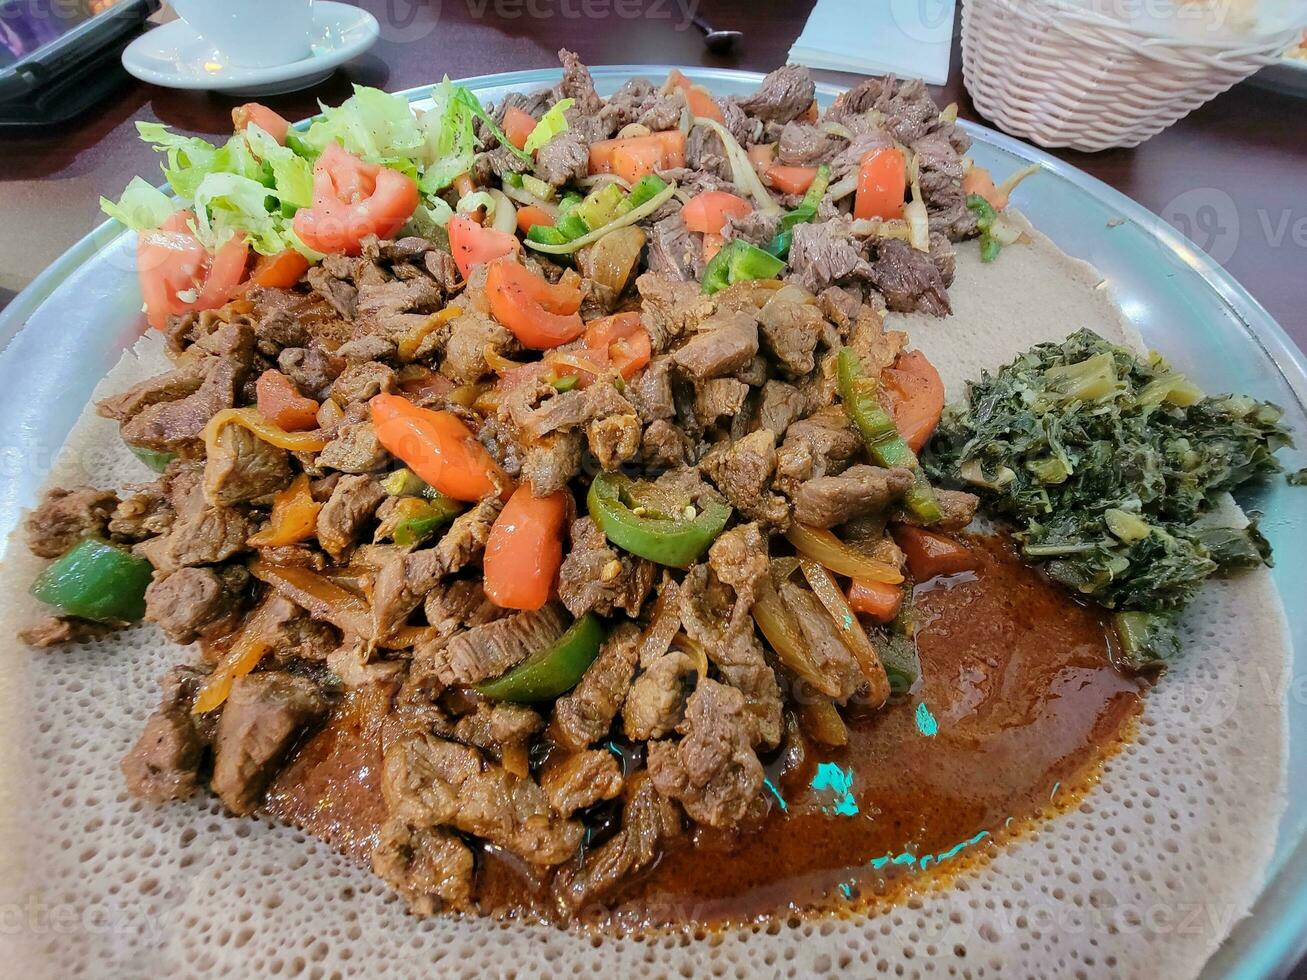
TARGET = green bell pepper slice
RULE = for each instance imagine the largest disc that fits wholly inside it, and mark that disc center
(677, 541)
(96, 580)
(887, 447)
(419, 518)
(739, 260)
(571, 225)
(552, 671)
(601, 206)
(643, 191)
(805, 212)
(155, 459)
(546, 235)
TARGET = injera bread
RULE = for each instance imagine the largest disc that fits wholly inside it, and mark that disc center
(1143, 879)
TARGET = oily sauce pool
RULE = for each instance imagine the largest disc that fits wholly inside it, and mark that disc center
(1017, 703)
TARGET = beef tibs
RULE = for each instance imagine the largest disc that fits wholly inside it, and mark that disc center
(508, 550)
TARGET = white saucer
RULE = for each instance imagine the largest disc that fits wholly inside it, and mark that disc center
(174, 56)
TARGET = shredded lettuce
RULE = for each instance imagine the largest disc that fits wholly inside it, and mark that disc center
(372, 124)
(141, 206)
(449, 126)
(228, 204)
(477, 199)
(474, 106)
(550, 125)
(292, 175)
(429, 220)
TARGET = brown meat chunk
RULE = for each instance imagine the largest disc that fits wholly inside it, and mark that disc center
(487, 651)
(957, 508)
(164, 763)
(829, 501)
(739, 558)
(655, 704)
(713, 770)
(718, 397)
(469, 337)
(724, 344)
(790, 332)
(311, 369)
(457, 605)
(353, 502)
(263, 716)
(497, 727)
(176, 426)
(192, 602)
(613, 440)
(169, 387)
(743, 471)
(356, 449)
(580, 780)
(908, 279)
(552, 461)
(54, 630)
(785, 94)
(65, 517)
(241, 467)
(596, 576)
(782, 405)
(823, 254)
(430, 869)
(360, 382)
(200, 534)
(651, 391)
(647, 820)
(584, 716)
(665, 446)
(670, 309)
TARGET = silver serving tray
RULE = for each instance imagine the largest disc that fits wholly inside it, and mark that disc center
(68, 328)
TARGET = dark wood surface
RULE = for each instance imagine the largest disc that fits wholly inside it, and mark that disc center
(1231, 175)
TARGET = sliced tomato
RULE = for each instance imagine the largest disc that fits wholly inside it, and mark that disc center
(531, 215)
(282, 270)
(351, 200)
(791, 180)
(697, 97)
(178, 274)
(279, 401)
(518, 124)
(539, 314)
(273, 123)
(438, 447)
(929, 554)
(525, 549)
(707, 212)
(473, 244)
(977, 180)
(882, 184)
(622, 340)
(879, 600)
(913, 393)
(810, 114)
(638, 156)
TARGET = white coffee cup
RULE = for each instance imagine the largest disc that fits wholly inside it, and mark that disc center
(252, 33)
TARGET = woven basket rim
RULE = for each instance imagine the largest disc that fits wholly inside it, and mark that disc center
(1250, 45)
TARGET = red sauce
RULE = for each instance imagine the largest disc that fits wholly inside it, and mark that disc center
(1017, 704)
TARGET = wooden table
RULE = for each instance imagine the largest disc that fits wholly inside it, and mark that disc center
(1231, 175)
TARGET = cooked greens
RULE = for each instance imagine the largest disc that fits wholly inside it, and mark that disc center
(1111, 467)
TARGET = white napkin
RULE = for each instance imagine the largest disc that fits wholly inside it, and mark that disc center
(911, 38)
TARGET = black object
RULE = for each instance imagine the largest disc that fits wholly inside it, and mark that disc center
(718, 42)
(58, 58)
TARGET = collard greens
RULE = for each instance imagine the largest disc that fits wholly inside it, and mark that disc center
(1111, 467)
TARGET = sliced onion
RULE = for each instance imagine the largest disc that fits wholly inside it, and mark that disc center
(633, 131)
(850, 630)
(664, 622)
(1010, 184)
(611, 260)
(843, 187)
(523, 196)
(497, 362)
(918, 220)
(632, 217)
(269, 432)
(822, 723)
(824, 548)
(949, 114)
(1005, 231)
(785, 638)
(742, 172)
(837, 129)
(697, 651)
(504, 216)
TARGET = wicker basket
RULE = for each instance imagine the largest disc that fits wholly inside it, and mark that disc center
(1065, 76)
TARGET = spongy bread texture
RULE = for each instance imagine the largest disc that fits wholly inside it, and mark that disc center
(1144, 879)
